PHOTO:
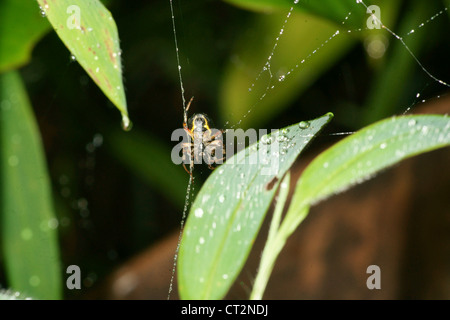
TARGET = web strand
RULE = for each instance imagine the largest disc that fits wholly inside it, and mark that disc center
(178, 55)
(188, 190)
(183, 219)
(405, 45)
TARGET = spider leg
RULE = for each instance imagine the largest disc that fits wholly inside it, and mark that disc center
(189, 104)
(187, 150)
(185, 112)
(216, 134)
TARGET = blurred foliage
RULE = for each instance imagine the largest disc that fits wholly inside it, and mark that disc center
(20, 28)
(28, 222)
(116, 193)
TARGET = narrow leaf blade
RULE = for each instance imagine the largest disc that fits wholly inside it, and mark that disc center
(28, 223)
(88, 30)
(361, 155)
(229, 209)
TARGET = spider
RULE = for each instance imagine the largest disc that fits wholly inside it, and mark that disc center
(205, 142)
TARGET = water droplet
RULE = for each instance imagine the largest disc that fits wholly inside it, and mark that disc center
(325, 165)
(282, 77)
(266, 140)
(225, 276)
(303, 124)
(198, 212)
(201, 240)
(221, 198)
(126, 123)
(412, 122)
(383, 145)
(296, 1)
(399, 153)
(205, 198)
(73, 58)
(43, 14)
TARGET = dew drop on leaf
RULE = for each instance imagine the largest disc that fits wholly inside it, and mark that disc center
(303, 124)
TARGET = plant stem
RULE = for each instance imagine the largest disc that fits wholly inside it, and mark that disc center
(273, 245)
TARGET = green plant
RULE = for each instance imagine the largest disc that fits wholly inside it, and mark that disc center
(222, 227)
(30, 202)
(28, 221)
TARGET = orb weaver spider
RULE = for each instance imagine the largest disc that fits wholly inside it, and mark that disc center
(205, 142)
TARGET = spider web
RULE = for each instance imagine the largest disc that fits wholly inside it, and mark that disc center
(269, 77)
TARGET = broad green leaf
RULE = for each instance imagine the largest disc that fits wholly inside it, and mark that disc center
(361, 155)
(349, 162)
(89, 32)
(21, 26)
(28, 222)
(299, 59)
(229, 209)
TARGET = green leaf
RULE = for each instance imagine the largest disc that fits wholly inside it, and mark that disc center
(229, 209)
(89, 32)
(359, 156)
(28, 222)
(266, 265)
(348, 162)
(21, 26)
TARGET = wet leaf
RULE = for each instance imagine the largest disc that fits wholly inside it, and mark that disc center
(228, 211)
(361, 155)
(351, 161)
(89, 32)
